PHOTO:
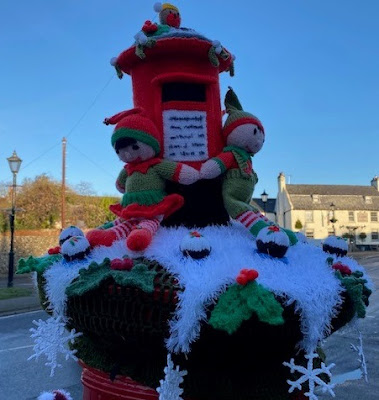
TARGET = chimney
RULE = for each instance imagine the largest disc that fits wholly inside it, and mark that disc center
(375, 182)
(281, 182)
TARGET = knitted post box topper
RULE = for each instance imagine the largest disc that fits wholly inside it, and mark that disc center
(142, 180)
(244, 137)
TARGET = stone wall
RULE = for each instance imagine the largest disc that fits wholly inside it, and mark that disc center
(26, 243)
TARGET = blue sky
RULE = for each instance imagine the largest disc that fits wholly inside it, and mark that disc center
(308, 69)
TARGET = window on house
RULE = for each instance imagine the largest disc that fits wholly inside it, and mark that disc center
(351, 216)
(183, 91)
(374, 235)
(309, 233)
(374, 216)
(315, 198)
(368, 199)
(308, 216)
(362, 216)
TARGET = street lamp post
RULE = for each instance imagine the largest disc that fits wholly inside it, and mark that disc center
(14, 164)
(264, 197)
(333, 220)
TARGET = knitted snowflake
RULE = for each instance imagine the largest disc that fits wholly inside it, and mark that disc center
(169, 388)
(361, 355)
(311, 375)
(50, 340)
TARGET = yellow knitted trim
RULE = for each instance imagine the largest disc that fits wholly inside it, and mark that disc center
(168, 6)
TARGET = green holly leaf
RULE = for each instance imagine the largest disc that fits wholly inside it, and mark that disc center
(239, 303)
(359, 293)
(38, 264)
(89, 279)
(213, 57)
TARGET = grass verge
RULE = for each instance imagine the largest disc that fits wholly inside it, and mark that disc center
(10, 293)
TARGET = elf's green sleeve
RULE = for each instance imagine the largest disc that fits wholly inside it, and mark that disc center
(121, 180)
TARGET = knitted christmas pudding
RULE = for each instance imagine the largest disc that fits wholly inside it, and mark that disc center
(139, 308)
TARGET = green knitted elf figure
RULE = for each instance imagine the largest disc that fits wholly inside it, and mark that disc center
(244, 136)
(142, 180)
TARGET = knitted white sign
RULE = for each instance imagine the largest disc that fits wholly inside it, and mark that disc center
(185, 135)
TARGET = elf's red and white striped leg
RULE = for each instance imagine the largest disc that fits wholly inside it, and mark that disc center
(106, 237)
(254, 221)
(142, 234)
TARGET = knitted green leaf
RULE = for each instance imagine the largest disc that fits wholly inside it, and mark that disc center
(39, 264)
(356, 290)
(224, 54)
(263, 303)
(213, 57)
(139, 52)
(139, 277)
(151, 43)
(238, 304)
(232, 69)
(91, 278)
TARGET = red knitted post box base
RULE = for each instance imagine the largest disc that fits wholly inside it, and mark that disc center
(98, 386)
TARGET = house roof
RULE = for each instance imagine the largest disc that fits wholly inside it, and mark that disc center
(344, 197)
(270, 205)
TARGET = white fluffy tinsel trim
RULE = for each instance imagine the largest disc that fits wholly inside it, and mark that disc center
(51, 395)
(304, 277)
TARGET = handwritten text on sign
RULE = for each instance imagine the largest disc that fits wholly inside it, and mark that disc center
(185, 135)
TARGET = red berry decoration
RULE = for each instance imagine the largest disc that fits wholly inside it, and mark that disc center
(247, 275)
(149, 27)
(344, 269)
(54, 250)
(125, 264)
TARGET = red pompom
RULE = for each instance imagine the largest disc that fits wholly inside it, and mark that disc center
(139, 239)
(54, 250)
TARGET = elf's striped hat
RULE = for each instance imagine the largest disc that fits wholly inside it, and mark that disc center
(132, 124)
(236, 115)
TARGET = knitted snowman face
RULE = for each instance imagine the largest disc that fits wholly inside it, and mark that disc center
(249, 137)
(135, 152)
(170, 17)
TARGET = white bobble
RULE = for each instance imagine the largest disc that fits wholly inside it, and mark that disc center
(218, 50)
(216, 43)
(141, 38)
(158, 7)
(113, 61)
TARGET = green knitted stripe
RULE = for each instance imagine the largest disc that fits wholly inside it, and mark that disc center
(138, 135)
(291, 236)
(143, 197)
(256, 228)
(220, 164)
